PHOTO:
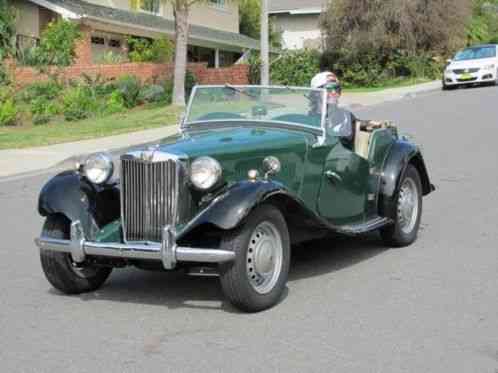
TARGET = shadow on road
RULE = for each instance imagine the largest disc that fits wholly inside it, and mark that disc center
(176, 290)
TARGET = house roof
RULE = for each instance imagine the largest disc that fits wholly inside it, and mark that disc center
(81, 10)
(297, 6)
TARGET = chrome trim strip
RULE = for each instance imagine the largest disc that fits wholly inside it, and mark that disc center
(167, 252)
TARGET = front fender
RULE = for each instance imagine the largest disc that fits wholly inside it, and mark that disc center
(400, 156)
(74, 197)
(229, 209)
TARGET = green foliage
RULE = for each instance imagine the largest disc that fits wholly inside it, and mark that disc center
(190, 82)
(292, 68)
(48, 90)
(114, 103)
(78, 103)
(4, 76)
(295, 68)
(129, 86)
(250, 22)
(111, 58)
(57, 45)
(7, 29)
(372, 71)
(152, 93)
(146, 50)
(8, 113)
(483, 25)
(43, 109)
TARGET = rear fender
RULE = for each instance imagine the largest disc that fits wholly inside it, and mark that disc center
(73, 196)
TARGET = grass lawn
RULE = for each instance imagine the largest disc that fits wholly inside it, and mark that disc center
(395, 83)
(60, 131)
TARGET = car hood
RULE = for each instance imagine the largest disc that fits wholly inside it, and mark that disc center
(472, 63)
(240, 149)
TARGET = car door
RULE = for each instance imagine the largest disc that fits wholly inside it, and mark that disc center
(344, 183)
(344, 187)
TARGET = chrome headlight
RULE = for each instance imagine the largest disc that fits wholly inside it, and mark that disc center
(98, 168)
(205, 172)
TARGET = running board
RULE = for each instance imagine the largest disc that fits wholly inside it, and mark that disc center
(371, 225)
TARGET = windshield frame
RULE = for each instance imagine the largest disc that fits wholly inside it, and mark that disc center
(319, 131)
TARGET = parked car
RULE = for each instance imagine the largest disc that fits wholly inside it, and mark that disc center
(252, 171)
(473, 65)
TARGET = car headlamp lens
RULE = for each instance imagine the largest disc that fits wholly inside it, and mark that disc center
(489, 67)
(205, 172)
(98, 168)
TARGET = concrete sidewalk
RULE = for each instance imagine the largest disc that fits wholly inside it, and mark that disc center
(34, 160)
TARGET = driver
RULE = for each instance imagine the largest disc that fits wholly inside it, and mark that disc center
(339, 120)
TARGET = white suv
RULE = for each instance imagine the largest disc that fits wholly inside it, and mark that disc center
(473, 65)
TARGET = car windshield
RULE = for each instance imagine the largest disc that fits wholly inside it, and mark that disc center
(297, 106)
(476, 53)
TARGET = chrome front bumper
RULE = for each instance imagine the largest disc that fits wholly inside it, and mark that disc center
(168, 252)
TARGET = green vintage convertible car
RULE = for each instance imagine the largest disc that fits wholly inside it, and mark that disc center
(252, 171)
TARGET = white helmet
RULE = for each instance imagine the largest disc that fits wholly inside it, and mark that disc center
(319, 80)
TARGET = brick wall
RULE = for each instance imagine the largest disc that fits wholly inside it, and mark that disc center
(146, 72)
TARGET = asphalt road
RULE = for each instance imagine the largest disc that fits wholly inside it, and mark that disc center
(351, 306)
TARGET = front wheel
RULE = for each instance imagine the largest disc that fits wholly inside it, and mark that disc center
(257, 277)
(61, 271)
(408, 211)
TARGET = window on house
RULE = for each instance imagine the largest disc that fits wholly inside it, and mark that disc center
(114, 43)
(98, 40)
(150, 5)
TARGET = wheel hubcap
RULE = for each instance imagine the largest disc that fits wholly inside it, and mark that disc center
(264, 258)
(408, 205)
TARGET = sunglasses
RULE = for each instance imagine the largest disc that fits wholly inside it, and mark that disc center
(333, 87)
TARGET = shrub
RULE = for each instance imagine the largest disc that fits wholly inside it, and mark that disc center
(295, 68)
(129, 87)
(78, 103)
(292, 68)
(4, 76)
(114, 103)
(190, 82)
(7, 29)
(48, 90)
(57, 44)
(146, 50)
(8, 113)
(152, 93)
(43, 109)
(111, 58)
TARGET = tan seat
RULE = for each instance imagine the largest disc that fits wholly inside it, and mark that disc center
(361, 141)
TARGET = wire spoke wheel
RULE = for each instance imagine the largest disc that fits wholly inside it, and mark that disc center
(264, 257)
(408, 205)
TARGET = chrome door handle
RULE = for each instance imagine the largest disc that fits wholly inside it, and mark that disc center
(333, 176)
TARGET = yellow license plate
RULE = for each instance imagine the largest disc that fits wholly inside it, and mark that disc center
(466, 77)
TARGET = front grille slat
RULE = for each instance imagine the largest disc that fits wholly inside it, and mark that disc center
(149, 197)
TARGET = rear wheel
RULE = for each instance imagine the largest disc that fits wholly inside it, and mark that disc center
(61, 271)
(257, 277)
(408, 211)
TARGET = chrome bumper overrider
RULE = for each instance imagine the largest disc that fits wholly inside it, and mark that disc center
(168, 252)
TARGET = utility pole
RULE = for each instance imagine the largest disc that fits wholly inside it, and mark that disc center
(265, 44)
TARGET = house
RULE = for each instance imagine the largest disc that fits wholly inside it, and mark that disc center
(214, 32)
(298, 21)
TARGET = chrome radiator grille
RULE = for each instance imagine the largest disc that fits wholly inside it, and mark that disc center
(149, 197)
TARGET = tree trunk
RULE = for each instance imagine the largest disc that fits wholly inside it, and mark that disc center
(182, 29)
